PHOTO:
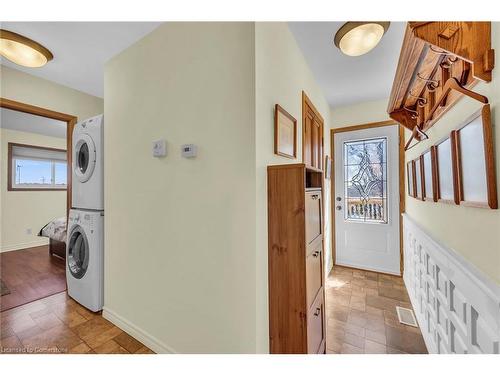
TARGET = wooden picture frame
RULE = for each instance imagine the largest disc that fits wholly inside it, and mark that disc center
(412, 185)
(445, 168)
(428, 175)
(285, 133)
(475, 159)
(328, 167)
(419, 179)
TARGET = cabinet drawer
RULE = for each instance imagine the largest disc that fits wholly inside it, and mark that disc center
(314, 272)
(315, 328)
(313, 215)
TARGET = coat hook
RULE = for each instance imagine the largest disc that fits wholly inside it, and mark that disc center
(421, 100)
(438, 52)
(414, 114)
(428, 80)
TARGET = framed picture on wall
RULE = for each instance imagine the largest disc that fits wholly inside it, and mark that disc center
(285, 133)
(475, 161)
(427, 163)
(328, 167)
(445, 171)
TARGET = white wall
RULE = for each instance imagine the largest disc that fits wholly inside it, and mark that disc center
(25, 88)
(180, 233)
(281, 75)
(22, 210)
(359, 113)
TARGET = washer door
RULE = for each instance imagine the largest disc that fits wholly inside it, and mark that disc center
(84, 158)
(78, 252)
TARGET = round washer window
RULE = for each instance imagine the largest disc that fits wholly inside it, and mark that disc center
(83, 157)
(78, 253)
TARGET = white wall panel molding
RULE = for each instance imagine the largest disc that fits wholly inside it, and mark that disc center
(457, 307)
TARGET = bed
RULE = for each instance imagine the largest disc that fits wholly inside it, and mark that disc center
(55, 231)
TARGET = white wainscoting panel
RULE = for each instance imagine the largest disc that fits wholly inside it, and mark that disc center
(457, 307)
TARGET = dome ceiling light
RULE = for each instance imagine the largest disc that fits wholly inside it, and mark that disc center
(23, 51)
(358, 38)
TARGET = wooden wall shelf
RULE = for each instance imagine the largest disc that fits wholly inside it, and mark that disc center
(438, 64)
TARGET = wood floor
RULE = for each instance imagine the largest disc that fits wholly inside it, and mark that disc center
(30, 274)
(362, 318)
(57, 324)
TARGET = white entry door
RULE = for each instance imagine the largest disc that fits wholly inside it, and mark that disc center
(367, 199)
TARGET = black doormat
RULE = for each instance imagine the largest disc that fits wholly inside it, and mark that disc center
(4, 290)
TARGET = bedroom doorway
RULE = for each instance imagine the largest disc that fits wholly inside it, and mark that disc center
(36, 153)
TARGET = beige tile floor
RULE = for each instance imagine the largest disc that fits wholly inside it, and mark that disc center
(57, 324)
(361, 314)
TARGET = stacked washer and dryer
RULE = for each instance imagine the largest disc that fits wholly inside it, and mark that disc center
(85, 241)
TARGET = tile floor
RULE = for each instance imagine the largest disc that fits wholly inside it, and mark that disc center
(361, 314)
(57, 324)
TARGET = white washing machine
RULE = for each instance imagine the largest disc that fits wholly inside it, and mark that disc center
(88, 164)
(85, 258)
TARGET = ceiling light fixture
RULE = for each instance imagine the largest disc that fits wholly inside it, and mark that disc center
(23, 51)
(358, 38)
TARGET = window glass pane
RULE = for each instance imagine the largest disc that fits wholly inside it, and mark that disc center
(33, 172)
(365, 165)
(60, 174)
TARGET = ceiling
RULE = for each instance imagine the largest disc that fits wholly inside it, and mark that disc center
(80, 49)
(26, 122)
(347, 80)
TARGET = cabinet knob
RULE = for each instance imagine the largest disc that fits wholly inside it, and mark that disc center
(318, 310)
(338, 208)
(315, 254)
(338, 199)
(315, 196)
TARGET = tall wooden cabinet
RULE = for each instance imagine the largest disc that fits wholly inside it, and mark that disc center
(295, 255)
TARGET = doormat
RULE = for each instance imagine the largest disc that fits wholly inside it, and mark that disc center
(4, 290)
(406, 316)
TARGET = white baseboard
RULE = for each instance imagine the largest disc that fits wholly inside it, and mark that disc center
(147, 339)
(456, 305)
(39, 242)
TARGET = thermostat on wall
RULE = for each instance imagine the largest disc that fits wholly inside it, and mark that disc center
(159, 148)
(189, 151)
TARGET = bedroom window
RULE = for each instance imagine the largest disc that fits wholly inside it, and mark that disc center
(36, 168)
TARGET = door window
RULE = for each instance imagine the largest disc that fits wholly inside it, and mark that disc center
(83, 157)
(365, 163)
(78, 253)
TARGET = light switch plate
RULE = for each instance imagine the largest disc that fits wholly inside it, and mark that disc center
(159, 148)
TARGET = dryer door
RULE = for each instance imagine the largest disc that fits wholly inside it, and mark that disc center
(84, 158)
(78, 252)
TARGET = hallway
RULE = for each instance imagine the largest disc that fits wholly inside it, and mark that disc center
(361, 314)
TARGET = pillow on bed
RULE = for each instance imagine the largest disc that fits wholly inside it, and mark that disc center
(55, 229)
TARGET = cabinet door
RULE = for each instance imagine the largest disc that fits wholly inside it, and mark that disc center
(314, 271)
(312, 135)
(308, 139)
(315, 325)
(315, 144)
(313, 215)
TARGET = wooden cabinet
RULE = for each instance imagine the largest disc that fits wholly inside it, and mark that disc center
(312, 135)
(295, 255)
